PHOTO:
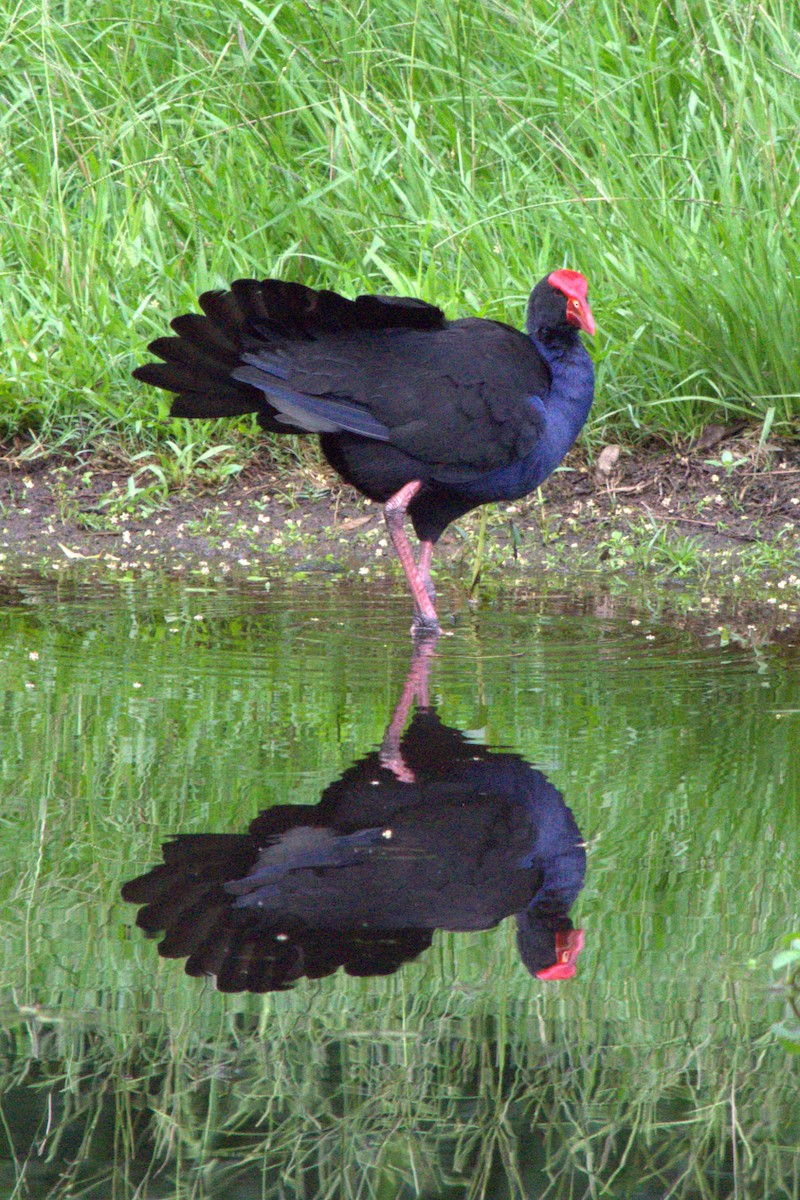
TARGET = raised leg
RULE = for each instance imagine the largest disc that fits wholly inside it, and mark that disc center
(425, 619)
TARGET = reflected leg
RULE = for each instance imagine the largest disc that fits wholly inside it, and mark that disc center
(415, 691)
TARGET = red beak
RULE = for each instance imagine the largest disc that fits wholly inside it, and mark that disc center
(569, 944)
(579, 313)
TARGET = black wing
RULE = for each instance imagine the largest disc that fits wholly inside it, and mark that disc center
(199, 362)
(390, 369)
(458, 396)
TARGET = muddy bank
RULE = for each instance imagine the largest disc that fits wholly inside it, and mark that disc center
(717, 523)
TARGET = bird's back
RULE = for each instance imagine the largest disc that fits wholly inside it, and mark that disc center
(458, 396)
(450, 394)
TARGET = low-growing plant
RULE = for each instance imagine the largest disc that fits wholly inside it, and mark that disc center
(728, 462)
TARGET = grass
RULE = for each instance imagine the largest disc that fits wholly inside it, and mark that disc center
(276, 1112)
(454, 150)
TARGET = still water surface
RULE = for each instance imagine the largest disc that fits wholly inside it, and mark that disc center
(333, 808)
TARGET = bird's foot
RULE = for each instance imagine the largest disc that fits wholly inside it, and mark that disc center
(425, 628)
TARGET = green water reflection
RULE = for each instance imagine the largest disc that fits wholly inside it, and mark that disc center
(136, 711)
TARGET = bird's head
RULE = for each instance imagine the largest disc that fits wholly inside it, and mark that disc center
(569, 943)
(558, 303)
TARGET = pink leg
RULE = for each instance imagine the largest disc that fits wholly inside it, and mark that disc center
(414, 691)
(425, 619)
(424, 568)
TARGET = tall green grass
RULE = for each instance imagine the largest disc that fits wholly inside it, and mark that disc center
(455, 149)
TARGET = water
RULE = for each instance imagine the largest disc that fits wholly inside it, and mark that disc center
(138, 711)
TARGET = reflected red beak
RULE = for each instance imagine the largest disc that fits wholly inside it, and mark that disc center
(569, 944)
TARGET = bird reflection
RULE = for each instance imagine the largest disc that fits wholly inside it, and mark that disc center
(432, 831)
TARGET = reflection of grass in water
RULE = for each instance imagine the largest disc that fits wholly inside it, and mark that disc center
(303, 1107)
(460, 1068)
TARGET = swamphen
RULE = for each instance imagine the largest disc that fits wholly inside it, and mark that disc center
(433, 831)
(422, 414)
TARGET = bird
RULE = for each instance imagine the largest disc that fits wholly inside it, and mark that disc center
(431, 831)
(426, 416)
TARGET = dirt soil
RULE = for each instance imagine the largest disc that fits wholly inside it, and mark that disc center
(722, 516)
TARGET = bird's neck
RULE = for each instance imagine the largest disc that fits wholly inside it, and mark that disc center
(571, 391)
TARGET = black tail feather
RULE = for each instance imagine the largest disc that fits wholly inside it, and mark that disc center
(225, 311)
(224, 402)
(207, 335)
(264, 315)
(207, 361)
